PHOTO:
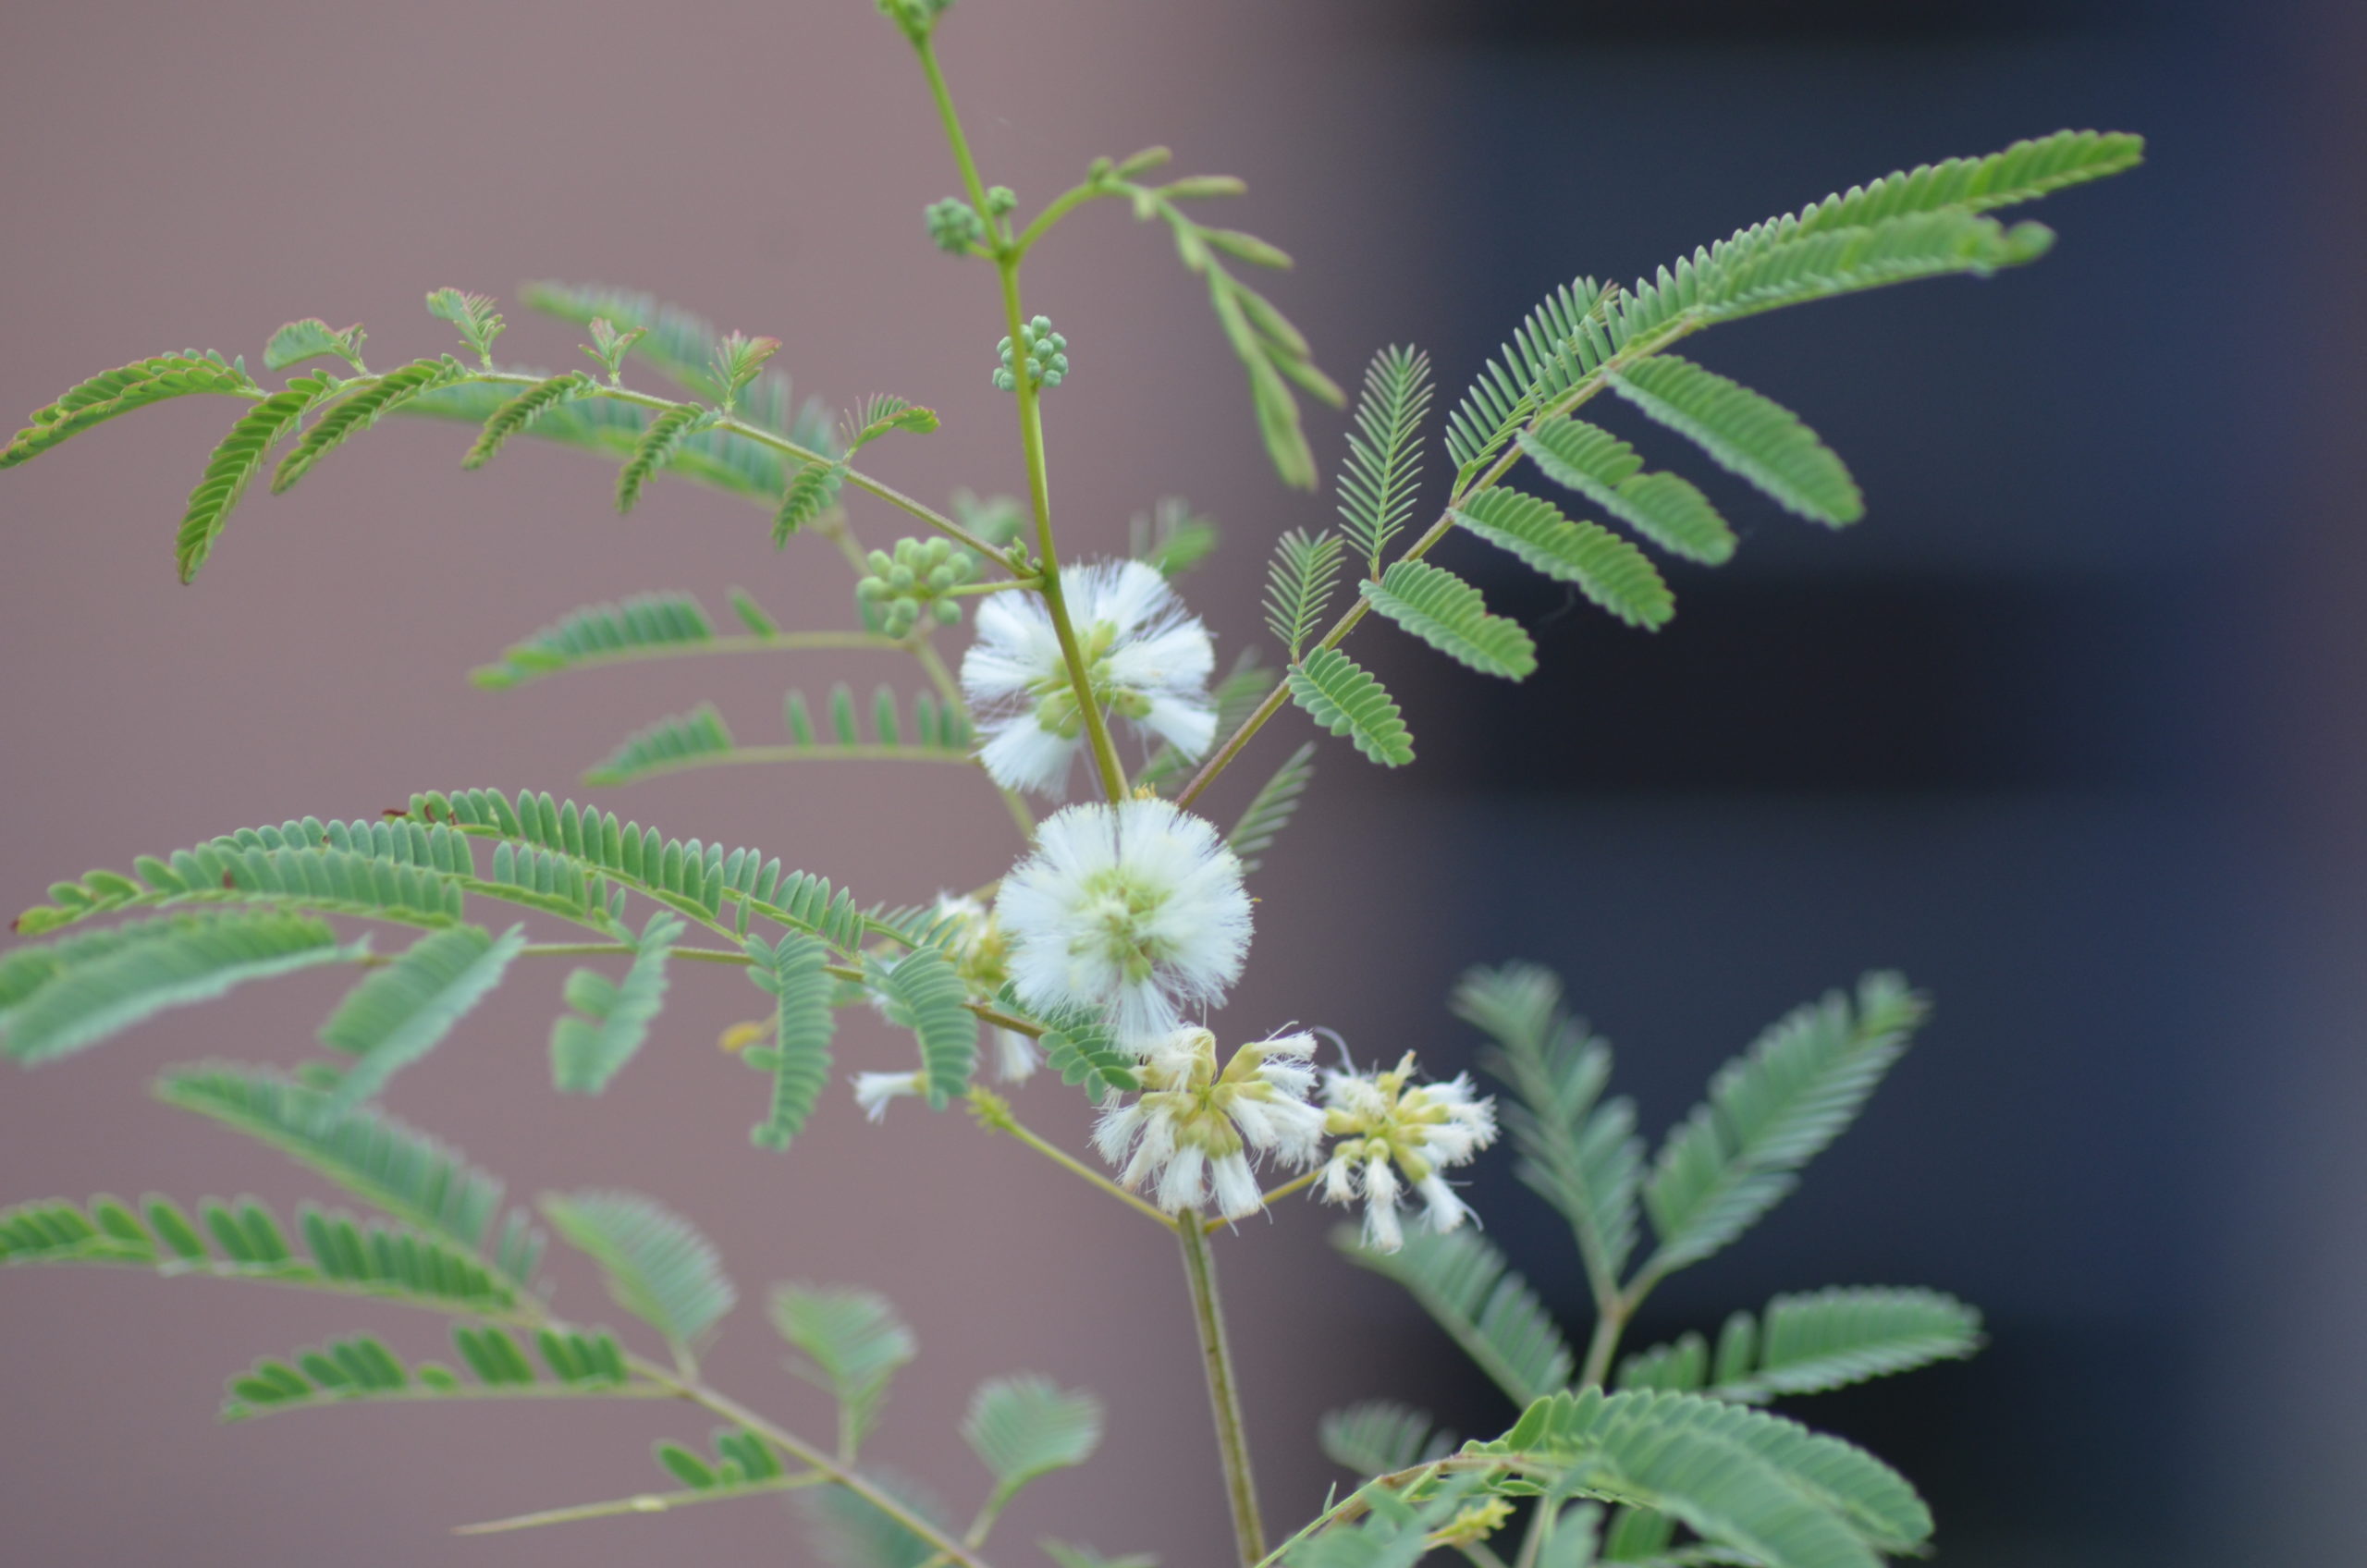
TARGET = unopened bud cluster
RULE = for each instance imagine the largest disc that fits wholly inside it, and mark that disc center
(954, 225)
(914, 582)
(1047, 355)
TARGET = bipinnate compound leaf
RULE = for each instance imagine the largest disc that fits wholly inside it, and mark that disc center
(1551, 350)
(1745, 434)
(587, 1050)
(1664, 508)
(234, 464)
(811, 491)
(658, 1267)
(1270, 811)
(1339, 694)
(793, 973)
(119, 391)
(1804, 1344)
(645, 624)
(521, 411)
(1377, 1437)
(656, 450)
(1298, 584)
(357, 413)
(401, 1012)
(1606, 569)
(683, 740)
(1771, 1111)
(2021, 172)
(1579, 1151)
(1383, 471)
(924, 994)
(1024, 1426)
(1463, 1282)
(853, 1344)
(1452, 616)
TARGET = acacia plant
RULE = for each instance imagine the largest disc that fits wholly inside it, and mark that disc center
(1098, 958)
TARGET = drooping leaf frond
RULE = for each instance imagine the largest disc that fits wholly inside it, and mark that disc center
(924, 993)
(1379, 1436)
(1664, 508)
(1270, 811)
(170, 963)
(799, 1057)
(853, 1343)
(119, 391)
(1577, 1151)
(658, 1267)
(314, 338)
(234, 464)
(387, 1165)
(680, 741)
(1769, 1114)
(1298, 584)
(1383, 469)
(1022, 1428)
(522, 412)
(338, 871)
(352, 415)
(249, 1242)
(656, 449)
(811, 491)
(401, 1012)
(362, 1370)
(1806, 1344)
(1452, 616)
(1538, 364)
(1340, 695)
(644, 623)
(2023, 172)
(1463, 1282)
(1746, 434)
(589, 1051)
(1606, 569)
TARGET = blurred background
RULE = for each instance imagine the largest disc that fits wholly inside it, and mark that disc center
(2067, 729)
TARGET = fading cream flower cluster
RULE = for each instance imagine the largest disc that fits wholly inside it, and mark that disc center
(1194, 1129)
(1392, 1132)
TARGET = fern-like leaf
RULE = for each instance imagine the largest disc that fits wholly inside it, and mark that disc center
(658, 1267)
(853, 1344)
(656, 449)
(1078, 1045)
(1379, 1435)
(1384, 466)
(799, 1057)
(522, 412)
(352, 415)
(1023, 1427)
(2021, 172)
(1339, 694)
(1769, 1114)
(403, 1012)
(1664, 508)
(924, 993)
(173, 964)
(362, 1370)
(1745, 434)
(812, 491)
(1452, 616)
(119, 391)
(1464, 1283)
(1577, 1151)
(587, 1051)
(1605, 567)
(314, 338)
(683, 741)
(234, 464)
(1542, 361)
(1298, 584)
(1804, 1344)
(1270, 811)
(651, 623)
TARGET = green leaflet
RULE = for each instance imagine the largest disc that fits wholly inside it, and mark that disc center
(354, 414)
(1606, 569)
(521, 411)
(1663, 507)
(683, 741)
(1577, 1151)
(793, 973)
(1270, 810)
(170, 964)
(656, 450)
(2022, 172)
(1452, 616)
(1383, 471)
(1377, 1436)
(811, 491)
(1338, 695)
(1769, 1114)
(1022, 1428)
(1463, 1282)
(314, 338)
(587, 1051)
(1748, 435)
(853, 1343)
(1808, 1343)
(925, 996)
(659, 1267)
(937, 733)
(401, 1012)
(1298, 584)
(661, 622)
(234, 464)
(119, 391)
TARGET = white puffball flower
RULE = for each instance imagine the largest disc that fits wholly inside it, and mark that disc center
(1386, 1123)
(1147, 658)
(874, 1090)
(1196, 1129)
(975, 945)
(1129, 910)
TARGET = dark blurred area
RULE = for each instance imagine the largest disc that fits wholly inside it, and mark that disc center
(2063, 730)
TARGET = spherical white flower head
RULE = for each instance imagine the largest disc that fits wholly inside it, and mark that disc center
(1130, 909)
(975, 942)
(1387, 1123)
(874, 1090)
(1196, 1129)
(1147, 658)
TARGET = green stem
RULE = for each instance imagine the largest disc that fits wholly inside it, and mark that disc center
(995, 1114)
(1225, 1393)
(594, 950)
(645, 1502)
(783, 642)
(1611, 1322)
